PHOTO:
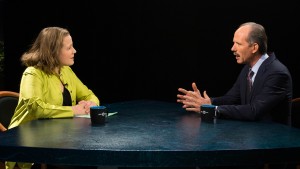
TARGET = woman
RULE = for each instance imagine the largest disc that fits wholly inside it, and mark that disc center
(49, 88)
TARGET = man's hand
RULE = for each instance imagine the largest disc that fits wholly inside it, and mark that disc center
(192, 100)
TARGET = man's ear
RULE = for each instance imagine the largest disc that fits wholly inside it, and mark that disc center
(255, 47)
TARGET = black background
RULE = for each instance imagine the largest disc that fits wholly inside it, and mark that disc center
(146, 49)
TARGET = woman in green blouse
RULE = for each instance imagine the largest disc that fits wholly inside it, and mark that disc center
(49, 88)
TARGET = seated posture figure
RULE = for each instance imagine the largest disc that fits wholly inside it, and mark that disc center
(265, 96)
(49, 88)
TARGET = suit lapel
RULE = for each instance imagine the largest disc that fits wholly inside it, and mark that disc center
(259, 78)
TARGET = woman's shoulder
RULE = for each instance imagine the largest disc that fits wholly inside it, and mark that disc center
(66, 69)
(33, 70)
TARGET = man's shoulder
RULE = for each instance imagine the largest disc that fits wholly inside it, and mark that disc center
(273, 63)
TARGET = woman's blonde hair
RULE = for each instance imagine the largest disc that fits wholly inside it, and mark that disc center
(45, 50)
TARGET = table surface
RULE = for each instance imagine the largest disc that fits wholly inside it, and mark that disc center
(149, 133)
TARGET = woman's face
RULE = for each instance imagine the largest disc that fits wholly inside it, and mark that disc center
(66, 56)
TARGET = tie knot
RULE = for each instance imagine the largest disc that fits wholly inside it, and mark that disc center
(250, 73)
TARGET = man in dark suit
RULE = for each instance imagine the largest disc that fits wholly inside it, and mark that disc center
(271, 92)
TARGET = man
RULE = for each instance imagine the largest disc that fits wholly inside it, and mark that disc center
(268, 95)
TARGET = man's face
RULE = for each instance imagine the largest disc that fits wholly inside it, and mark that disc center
(241, 48)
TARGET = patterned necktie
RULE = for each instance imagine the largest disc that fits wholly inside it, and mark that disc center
(249, 80)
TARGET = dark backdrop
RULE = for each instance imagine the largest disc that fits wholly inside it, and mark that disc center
(148, 48)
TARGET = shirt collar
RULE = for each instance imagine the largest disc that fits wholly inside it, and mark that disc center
(259, 62)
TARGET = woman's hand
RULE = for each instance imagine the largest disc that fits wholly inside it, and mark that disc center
(83, 107)
(87, 105)
(80, 109)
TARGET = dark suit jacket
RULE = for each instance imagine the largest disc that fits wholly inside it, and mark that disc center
(270, 98)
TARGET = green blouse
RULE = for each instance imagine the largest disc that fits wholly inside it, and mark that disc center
(41, 95)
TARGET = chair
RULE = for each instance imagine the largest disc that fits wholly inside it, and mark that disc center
(295, 115)
(295, 122)
(8, 103)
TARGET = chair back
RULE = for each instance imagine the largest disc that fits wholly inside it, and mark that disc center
(295, 112)
(8, 103)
